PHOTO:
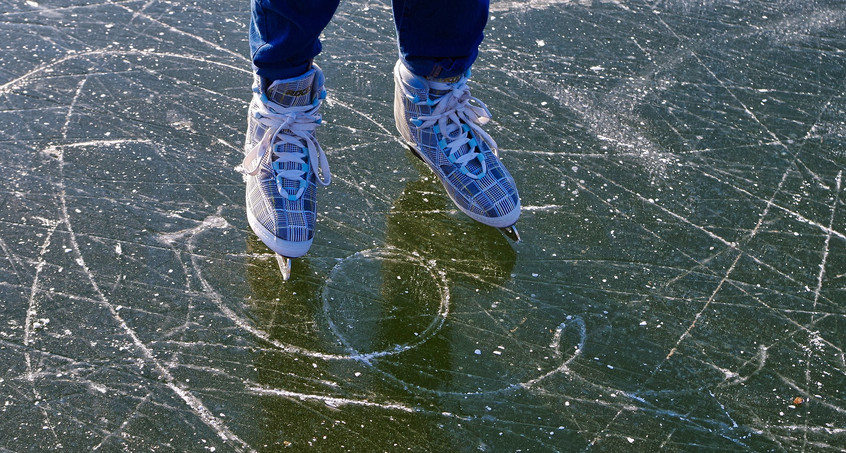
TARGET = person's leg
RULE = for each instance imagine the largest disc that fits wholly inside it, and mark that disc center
(284, 35)
(439, 38)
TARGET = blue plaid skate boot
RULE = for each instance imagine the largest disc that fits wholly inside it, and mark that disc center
(284, 163)
(442, 124)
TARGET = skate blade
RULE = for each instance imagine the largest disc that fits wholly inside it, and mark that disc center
(284, 266)
(511, 233)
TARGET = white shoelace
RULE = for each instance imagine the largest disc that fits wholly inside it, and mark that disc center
(451, 110)
(301, 121)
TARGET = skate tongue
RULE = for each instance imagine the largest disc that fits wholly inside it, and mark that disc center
(452, 79)
(294, 92)
(439, 87)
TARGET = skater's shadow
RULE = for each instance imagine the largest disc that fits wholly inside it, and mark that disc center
(425, 226)
(423, 221)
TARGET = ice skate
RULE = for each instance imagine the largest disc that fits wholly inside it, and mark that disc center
(442, 124)
(284, 164)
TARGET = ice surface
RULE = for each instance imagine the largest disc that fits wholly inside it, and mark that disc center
(681, 280)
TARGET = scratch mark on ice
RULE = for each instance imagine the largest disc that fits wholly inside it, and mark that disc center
(194, 403)
(332, 401)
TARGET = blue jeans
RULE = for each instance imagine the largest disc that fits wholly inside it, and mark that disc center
(437, 38)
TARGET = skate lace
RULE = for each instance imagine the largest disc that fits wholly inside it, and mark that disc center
(454, 117)
(294, 126)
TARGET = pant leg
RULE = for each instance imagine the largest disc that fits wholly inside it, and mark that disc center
(284, 35)
(439, 38)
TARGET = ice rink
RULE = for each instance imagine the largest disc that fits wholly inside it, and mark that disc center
(681, 283)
